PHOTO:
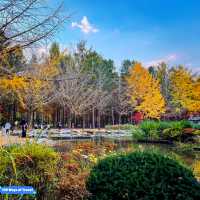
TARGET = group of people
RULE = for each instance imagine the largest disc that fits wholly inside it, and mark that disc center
(8, 127)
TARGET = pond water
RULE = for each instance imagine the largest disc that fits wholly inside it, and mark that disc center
(185, 153)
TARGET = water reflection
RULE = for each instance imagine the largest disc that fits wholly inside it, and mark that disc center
(185, 155)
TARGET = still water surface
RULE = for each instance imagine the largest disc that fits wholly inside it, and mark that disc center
(185, 153)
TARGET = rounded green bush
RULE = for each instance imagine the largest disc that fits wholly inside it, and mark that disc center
(30, 164)
(142, 176)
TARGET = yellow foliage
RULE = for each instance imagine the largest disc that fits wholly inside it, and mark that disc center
(31, 89)
(38, 85)
(196, 169)
(185, 89)
(13, 87)
(145, 92)
(13, 84)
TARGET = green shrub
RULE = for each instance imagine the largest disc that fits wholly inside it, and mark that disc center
(155, 129)
(29, 164)
(119, 127)
(138, 134)
(161, 125)
(195, 126)
(142, 176)
(180, 124)
(148, 125)
(172, 133)
(154, 134)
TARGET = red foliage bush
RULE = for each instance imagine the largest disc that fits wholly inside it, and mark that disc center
(137, 117)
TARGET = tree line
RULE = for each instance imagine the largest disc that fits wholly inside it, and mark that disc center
(80, 88)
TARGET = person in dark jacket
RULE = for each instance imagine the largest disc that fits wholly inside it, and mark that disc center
(24, 127)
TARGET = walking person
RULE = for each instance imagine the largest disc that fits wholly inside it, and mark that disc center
(7, 127)
(24, 127)
(59, 125)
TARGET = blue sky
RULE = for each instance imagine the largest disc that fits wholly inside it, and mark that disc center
(145, 30)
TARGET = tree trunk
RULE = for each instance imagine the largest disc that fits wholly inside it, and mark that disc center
(74, 120)
(63, 117)
(88, 120)
(113, 117)
(93, 118)
(14, 112)
(99, 119)
(120, 118)
(83, 121)
(30, 118)
(69, 120)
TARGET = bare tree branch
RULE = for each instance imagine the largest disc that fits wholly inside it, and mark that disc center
(27, 22)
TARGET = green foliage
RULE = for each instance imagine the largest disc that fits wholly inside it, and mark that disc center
(148, 125)
(181, 124)
(100, 67)
(120, 127)
(126, 65)
(154, 134)
(138, 134)
(163, 129)
(161, 125)
(29, 164)
(142, 175)
(172, 133)
(195, 126)
(166, 129)
(150, 128)
(54, 50)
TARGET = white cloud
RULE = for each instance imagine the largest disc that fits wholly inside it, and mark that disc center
(85, 26)
(167, 59)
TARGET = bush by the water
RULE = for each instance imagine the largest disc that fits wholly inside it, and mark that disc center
(159, 126)
(138, 133)
(142, 176)
(164, 129)
(172, 133)
(119, 127)
(29, 164)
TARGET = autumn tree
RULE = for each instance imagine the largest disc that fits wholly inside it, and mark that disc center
(185, 89)
(11, 85)
(40, 89)
(11, 94)
(23, 23)
(145, 92)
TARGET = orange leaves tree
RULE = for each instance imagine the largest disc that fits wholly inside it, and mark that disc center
(185, 89)
(145, 93)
